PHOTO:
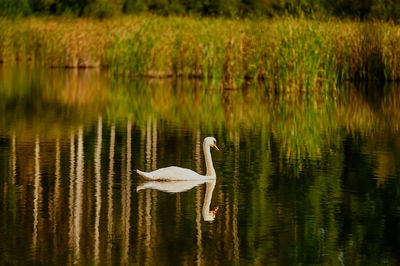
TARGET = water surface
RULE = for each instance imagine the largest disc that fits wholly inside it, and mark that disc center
(301, 179)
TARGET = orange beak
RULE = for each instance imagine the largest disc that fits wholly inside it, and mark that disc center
(215, 211)
(215, 146)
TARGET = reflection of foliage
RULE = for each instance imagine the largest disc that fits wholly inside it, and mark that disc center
(333, 144)
(40, 101)
(307, 125)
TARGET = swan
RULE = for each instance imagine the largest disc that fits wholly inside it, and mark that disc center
(173, 186)
(185, 185)
(208, 215)
(178, 173)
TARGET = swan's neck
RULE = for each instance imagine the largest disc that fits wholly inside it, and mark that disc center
(209, 163)
(207, 214)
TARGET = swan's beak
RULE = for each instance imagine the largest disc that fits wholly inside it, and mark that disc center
(215, 146)
(215, 211)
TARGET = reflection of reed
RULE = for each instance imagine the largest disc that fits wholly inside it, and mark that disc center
(97, 168)
(154, 192)
(227, 227)
(147, 240)
(110, 195)
(80, 87)
(126, 195)
(148, 145)
(235, 202)
(13, 159)
(178, 209)
(198, 152)
(199, 253)
(71, 197)
(140, 201)
(150, 197)
(220, 226)
(154, 150)
(56, 200)
(37, 200)
(78, 194)
(12, 169)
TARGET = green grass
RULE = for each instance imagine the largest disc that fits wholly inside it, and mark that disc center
(288, 54)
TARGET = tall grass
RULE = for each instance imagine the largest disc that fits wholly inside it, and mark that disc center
(288, 54)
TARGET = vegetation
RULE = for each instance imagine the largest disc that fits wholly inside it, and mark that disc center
(316, 179)
(382, 9)
(288, 54)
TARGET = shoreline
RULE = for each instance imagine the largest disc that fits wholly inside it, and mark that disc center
(287, 53)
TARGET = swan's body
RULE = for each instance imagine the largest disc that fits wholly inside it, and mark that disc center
(179, 173)
(173, 173)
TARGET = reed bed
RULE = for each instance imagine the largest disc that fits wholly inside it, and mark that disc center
(288, 54)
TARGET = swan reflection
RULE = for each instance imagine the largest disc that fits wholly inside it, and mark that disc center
(182, 186)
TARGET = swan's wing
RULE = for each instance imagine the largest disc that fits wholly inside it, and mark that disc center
(172, 173)
(170, 186)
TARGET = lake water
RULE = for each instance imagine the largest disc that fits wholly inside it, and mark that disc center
(301, 178)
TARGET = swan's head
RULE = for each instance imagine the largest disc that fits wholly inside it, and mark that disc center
(211, 141)
(209, 216)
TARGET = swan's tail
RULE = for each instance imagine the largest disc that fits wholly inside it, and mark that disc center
(144, 174)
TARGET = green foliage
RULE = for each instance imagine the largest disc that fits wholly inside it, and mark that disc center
(134, 6)
(380, 9)
(15, 7)
(103, 8)
(291, 54)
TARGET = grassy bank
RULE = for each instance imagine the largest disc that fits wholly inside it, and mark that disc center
(289, 54)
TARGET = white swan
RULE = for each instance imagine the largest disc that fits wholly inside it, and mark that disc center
(171, 186)
(208, 215)
(178, 173)
(181, 186)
